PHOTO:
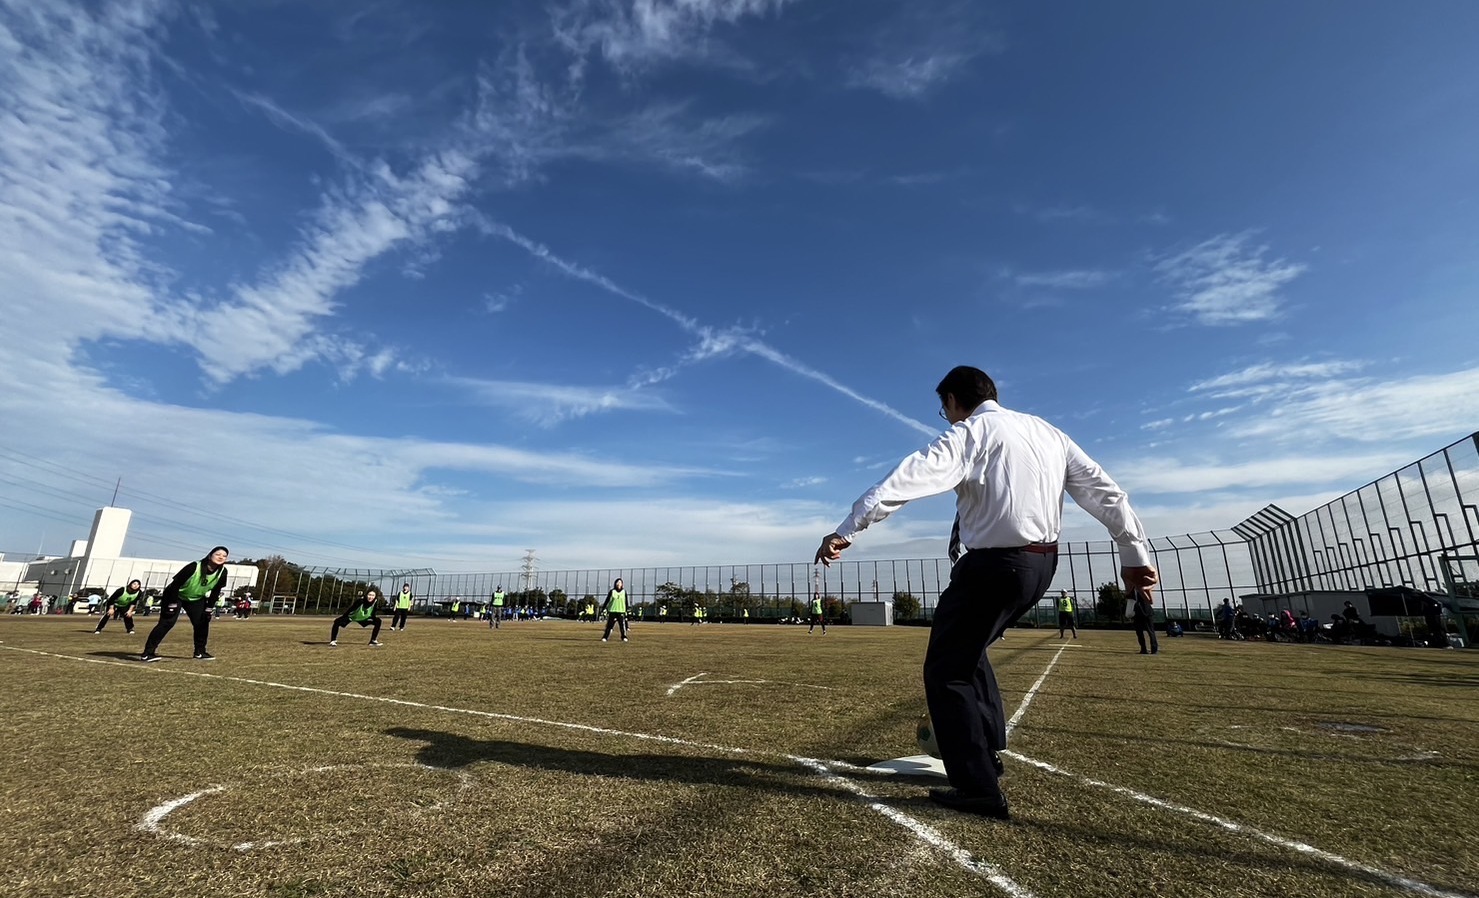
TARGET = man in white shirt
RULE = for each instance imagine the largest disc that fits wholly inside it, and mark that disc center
(1009, 472)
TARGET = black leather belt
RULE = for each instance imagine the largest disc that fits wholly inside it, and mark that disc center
(1041, 548)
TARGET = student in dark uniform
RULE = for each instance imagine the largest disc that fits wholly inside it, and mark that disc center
(1144, 617)
(194, 590)
(615, 607)
(1065, 614)
(361, 612)
(402, 608)
(121, 604)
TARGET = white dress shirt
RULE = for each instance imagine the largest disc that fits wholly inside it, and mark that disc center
(1009, 472)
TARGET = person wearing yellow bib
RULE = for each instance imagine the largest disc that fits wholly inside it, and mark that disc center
(121, 604)
(1065, 614)
(194, 589)
(818, 616)
(615, 607)
(361, 612)
(402, 608)
(495, 609)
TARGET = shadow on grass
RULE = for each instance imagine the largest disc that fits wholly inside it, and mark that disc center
(119, 656)
(450, 750)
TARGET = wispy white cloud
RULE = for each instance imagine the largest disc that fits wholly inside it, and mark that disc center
(1160, 476)
(909, 77)
(1071, 279)
(1368, 410)
(712, 341)
(923, 47)
(803, 482)
(272, 324)
(636, 34)
(1266, 372)
(1227, 280)
(548, 404)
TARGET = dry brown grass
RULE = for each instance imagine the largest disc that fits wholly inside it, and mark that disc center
(429, 801)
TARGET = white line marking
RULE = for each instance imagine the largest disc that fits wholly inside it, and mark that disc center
(1411, 885)
(1402, 882)
(676, 686)
(922, 831)
(1032, 693)
(695, 681)
(155, 815)
(150, 823)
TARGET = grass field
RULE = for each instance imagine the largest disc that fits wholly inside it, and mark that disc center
(454, 761)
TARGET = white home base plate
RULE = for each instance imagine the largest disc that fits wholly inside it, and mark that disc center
(914, 765)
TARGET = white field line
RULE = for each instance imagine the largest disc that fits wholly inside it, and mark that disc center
(676, 686)
(695, 681)
(922, 831)
(1032, 693)
(1394, 879)
(151, 821)
(1401, 882)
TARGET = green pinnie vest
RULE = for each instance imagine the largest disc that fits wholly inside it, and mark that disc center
(361, 613)
(618, 603)
(1065, 604)
(498, 599)
(200, 586)
(403, 601)
(125, 600)
(816, 606)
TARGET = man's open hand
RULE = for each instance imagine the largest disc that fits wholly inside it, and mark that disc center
(831, 549)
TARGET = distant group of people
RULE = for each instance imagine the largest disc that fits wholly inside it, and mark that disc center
(1344, 627)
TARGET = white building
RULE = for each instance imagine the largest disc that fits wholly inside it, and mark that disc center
(98, 562)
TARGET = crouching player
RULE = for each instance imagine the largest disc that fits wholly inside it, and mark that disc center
(121, 604)
(362, 613)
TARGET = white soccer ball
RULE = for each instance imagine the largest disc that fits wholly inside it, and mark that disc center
(924, 735)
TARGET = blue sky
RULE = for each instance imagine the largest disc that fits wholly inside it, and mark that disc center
(671, 281)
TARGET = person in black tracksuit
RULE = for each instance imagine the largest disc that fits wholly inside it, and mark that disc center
(361, 612)
(121, 602)
(194, 589)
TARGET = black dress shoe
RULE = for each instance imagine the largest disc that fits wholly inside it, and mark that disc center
(982, 805)
(998, 766)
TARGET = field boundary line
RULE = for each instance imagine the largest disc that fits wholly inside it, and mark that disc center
(1392, 879)
(920, 831)
(676, 686)
(1032, 693)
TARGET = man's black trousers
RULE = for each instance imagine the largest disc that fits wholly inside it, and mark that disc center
(989, 589)
(169, 612)
(1143, 627)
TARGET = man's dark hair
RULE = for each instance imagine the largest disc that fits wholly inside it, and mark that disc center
(970, 386)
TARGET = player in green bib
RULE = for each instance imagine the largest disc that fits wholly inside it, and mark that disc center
(615, 607)
(1065, 614)
(818, 616)
(361, 612)
(194, 589)
(402, 608)
(495, 610)
(121, 604)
